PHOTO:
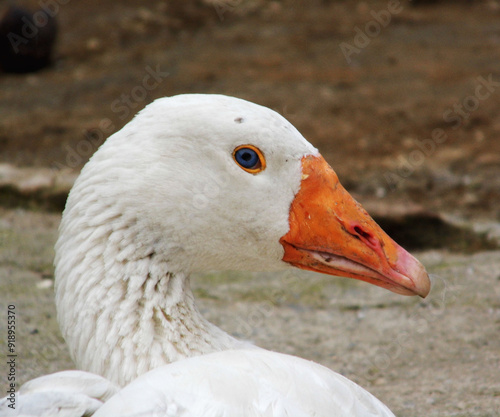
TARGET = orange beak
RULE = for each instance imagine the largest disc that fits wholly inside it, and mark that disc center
(331, 233)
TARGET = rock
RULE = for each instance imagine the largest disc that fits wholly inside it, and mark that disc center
(34, 187)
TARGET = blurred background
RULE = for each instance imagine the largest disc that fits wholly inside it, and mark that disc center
(401, 97)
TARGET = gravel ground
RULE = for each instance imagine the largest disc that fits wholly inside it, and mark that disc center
(433, 357)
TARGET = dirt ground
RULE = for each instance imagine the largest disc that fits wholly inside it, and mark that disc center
(401, 100)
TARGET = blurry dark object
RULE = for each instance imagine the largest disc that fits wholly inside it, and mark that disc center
(26, 39)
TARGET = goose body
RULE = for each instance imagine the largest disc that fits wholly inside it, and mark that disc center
(244, 382)
(199, 183)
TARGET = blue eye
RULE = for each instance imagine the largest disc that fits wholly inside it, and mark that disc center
(249, 158)
(246, 157)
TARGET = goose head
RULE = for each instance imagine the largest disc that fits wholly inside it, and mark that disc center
(217, 183)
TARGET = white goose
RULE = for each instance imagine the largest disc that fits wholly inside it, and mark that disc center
(198, 183)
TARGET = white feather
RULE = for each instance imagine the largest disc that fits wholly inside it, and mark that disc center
(62, 394)
(249, 383)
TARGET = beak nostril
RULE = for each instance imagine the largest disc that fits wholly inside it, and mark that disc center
(359, 231)
(365, 236)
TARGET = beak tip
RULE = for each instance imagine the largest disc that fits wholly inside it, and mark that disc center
(416, 272)
(424, 288)
(425, 285)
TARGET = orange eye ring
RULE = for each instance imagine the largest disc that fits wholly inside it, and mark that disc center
(249, 158)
